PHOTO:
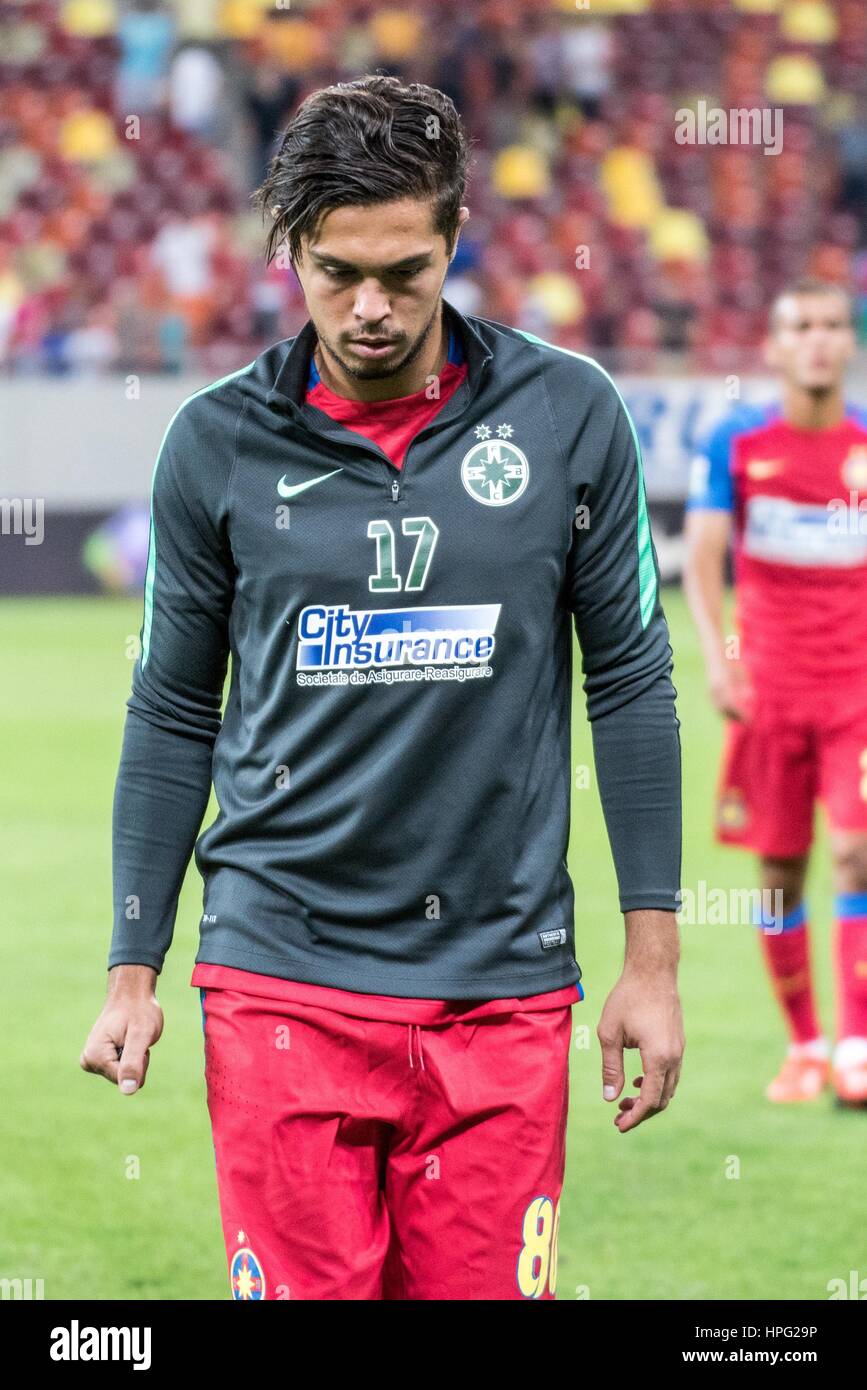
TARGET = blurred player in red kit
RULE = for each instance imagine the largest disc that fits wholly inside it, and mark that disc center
(789, 484)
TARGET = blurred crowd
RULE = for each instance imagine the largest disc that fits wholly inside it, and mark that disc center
(132, 133)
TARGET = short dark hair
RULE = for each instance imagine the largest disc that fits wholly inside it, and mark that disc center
(809, 284)
(357, 143)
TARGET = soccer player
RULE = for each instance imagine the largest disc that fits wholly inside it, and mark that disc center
(790, 482)
(390, 521)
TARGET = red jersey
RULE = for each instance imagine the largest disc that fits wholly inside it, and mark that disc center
(799, 504)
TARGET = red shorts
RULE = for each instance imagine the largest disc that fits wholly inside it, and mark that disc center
(776, 767)
(362, 1159)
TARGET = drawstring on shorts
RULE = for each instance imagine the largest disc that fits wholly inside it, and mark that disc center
(409, 1028)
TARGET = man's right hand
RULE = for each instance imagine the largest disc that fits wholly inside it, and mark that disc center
(118, 1046)
(730, 688)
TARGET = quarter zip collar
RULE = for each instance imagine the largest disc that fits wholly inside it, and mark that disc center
(290, 384)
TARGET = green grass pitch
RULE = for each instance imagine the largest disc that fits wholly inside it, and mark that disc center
(650, 1214)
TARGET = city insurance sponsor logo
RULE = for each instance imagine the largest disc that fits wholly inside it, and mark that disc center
(336, 637)
(77, 1343)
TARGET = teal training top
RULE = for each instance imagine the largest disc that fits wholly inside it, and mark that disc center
(393, 765)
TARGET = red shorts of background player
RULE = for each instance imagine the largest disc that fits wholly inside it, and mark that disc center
(776, 766)
(366, 1159)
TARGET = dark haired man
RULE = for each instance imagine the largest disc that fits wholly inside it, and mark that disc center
(792, 483)
(390, 521)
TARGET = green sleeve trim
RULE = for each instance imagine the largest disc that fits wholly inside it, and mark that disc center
(647, 581)
(151, 573)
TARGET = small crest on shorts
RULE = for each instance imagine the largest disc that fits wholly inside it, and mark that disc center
(246, 1275)
(731, 810)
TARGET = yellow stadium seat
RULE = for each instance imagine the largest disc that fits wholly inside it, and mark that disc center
(242, 19)
(808, 21)
(520, 172)
(559, 297)
(89, 19)
(758, 6)
(396, 33)
(295, 43)
(86, 137)
(678, 235)
(631, 187)
(794, 79)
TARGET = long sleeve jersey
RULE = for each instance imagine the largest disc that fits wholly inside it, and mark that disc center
(393, 765)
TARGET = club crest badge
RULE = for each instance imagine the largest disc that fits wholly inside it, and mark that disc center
(495, 471)
(731, 810)
(246, 1275)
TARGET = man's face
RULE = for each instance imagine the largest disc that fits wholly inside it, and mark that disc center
(372, 278)
(811, 341)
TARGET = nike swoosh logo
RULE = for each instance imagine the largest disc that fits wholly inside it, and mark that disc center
(287, 490)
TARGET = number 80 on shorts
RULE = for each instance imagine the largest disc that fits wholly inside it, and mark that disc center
(537, 1262)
